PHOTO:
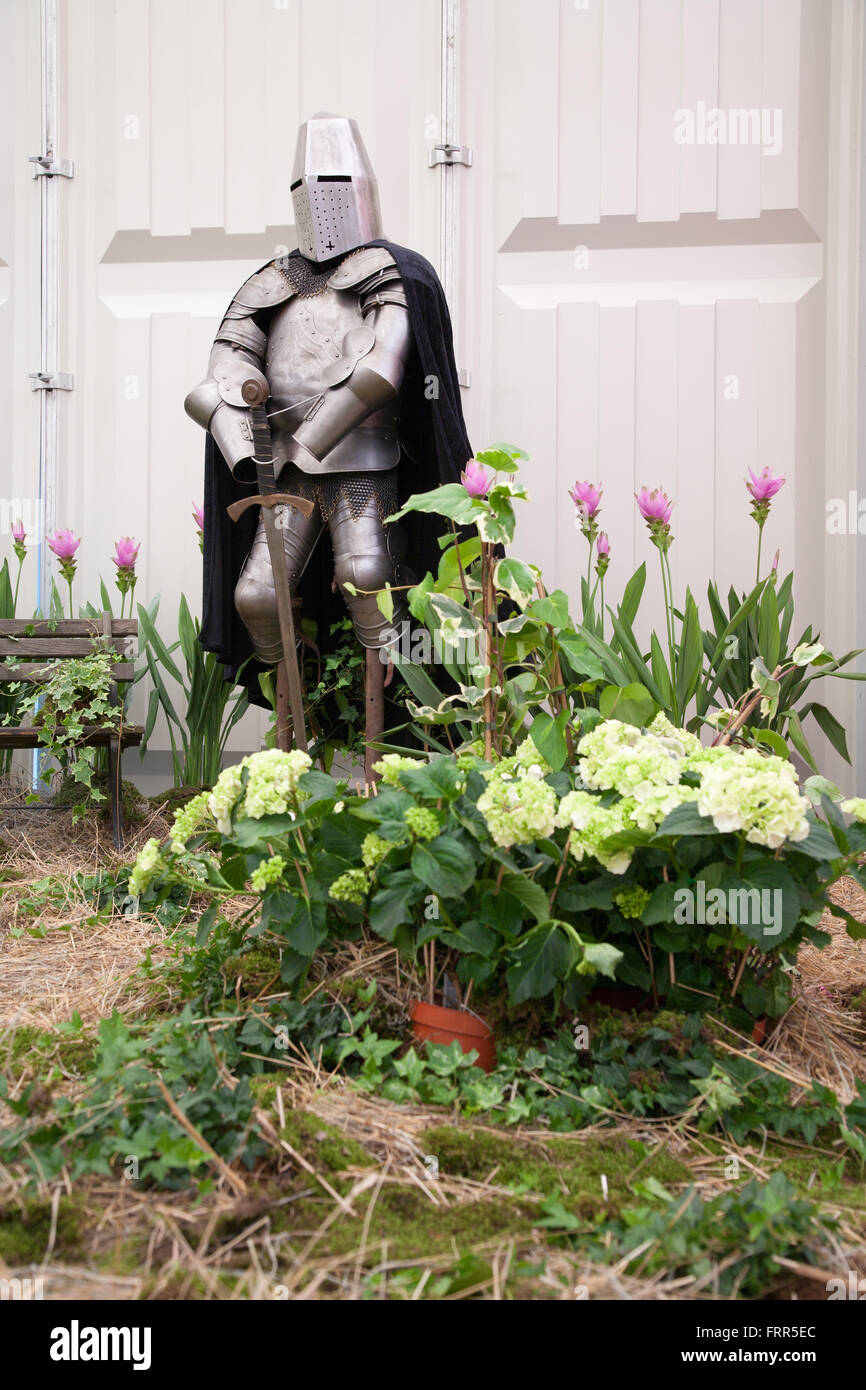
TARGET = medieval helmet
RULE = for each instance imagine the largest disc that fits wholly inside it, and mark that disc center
(334, 189)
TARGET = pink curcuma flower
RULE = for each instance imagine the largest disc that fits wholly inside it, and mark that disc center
(18, 532)
(64, 544)
(198, 513)
(764, 485)
(655, 505)
(126, 553)
(476, 479)
(603, 544)
(587, 498)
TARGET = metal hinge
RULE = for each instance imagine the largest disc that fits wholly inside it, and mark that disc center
(51, 381)
(44, 167)
(449, 154)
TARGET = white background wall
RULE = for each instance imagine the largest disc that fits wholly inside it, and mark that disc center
(703, 264)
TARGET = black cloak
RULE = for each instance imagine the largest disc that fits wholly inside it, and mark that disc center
(435, 450)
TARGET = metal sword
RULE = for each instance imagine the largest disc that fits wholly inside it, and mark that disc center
(269, 498)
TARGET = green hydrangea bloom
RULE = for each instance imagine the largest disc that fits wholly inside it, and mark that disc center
(147, 867)
(856, 807)
(374, 849)
(391, 765)
(224, 796)
(267, 873)
(423, 822)
(188, 819)
(350, 887)
(632, 901)
(528, 759)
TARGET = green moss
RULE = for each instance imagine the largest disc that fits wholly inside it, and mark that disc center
(175, 797)
(24, 1236)
(71, 793)
(560, 1166)
(258, 966)
(34, 1050)
(412, 1225)
(324, 1146)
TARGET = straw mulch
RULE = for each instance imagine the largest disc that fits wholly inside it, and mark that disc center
(73, 962)
(210, 1249)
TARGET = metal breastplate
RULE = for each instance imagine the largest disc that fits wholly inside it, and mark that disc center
(305, 339)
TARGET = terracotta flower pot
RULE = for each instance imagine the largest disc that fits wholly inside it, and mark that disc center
(432, 1023)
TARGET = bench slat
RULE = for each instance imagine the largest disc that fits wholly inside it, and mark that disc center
(27, 737)
(122, 671)
(66, 627)
(60, 646)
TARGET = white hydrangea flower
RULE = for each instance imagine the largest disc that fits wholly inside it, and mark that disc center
(620, 757)
(224, 797)
(518, 809)
(855, 807)
(753, 794)
(272, 781)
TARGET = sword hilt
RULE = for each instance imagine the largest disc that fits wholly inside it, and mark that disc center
(271, 499)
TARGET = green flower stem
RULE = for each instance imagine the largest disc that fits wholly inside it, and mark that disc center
(760, 538)
(669, 625)
(69, 584)
(17, 584)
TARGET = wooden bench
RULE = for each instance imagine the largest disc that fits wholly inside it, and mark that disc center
(36, 644)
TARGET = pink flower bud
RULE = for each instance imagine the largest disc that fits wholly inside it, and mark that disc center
(198, 513)
(476, 479)
(603, 545)
(18, 532)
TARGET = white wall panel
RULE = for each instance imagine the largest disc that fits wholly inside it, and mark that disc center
(580, 116)
(181, 116)
(619, 95)
(741, 39)
(659, 88)
(700, 83)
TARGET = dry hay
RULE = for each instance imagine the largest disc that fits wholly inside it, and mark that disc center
(74, 963)
(822, 1037)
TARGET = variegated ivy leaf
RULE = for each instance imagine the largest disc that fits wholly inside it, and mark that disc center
(516, 579)
(385, 603)
(806, 653)
(815, 787)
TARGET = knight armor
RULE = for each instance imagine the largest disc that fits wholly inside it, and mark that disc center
(325, 336)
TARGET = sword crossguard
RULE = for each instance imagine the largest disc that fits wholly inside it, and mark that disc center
(271, 499)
